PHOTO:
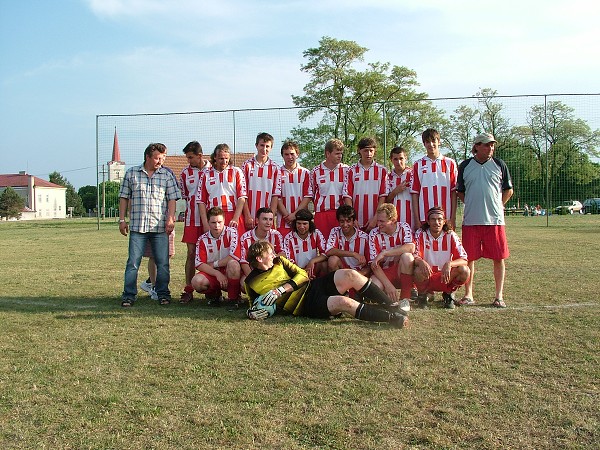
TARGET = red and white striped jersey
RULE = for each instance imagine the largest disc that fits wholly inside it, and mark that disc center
(358, 243)
(364, 186)
(210, 249)
(249, 237)
(301, 251)
(263, 181)
(437, 252)
(295, 186)
(327, 186)
(221, 188)
(188, 184)
(403, 200)
(434, 180)
(380, 241)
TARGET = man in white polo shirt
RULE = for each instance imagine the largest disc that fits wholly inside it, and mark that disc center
(484, 185)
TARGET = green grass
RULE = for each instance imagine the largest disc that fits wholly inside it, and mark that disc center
(78, 371)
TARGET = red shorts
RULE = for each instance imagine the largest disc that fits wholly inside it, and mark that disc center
(214, 284)
(487, 241)
(325, 221)
(191, 234)
(148, 249)
(435, 284)
(392, 274)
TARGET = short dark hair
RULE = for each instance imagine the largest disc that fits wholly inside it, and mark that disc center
(434, 210)
(263, 210)
(290, 144)
(397, 151)
(193, 147)
(367, 142)
(214, 211)
(161, 148)
(430, 134)
(264, 137)
(345, 211)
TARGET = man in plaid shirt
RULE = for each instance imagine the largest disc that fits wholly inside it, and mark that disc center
(150, 192)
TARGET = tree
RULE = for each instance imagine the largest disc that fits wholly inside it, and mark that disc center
(379, 101)
(11, 204)
(89, 197)
(72, 198)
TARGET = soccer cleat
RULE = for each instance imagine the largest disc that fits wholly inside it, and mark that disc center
(414, 294)
(215, 302)
(499, 303)
(448, 299)
(422, 300)
(147, 287)
(186, 297)
(402, 307)
(398, 320)
(153, 294)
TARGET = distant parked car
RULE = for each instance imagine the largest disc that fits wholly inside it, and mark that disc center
(569, 207)
(591, 206)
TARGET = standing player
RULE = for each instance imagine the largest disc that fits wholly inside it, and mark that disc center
(222, 185)
(484, 185)
(263, 180)
(305, 245)
(296, 192)
(287, 285)
(327, 181)
(217, 261)
(347, 246)
(391, 246)
(263, 231)
(433, 182)
(365, 185)
(398, 185)
(440, 260)
(188, 184)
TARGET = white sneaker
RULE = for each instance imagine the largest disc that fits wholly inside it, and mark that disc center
(153, 294)
(405, 304)
(145, 286)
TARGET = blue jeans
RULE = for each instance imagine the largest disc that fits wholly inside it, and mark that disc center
(159, 242)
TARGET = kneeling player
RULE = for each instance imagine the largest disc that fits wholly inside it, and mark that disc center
(217, 261)
(288, 285)
(305, 245)
(440, 259)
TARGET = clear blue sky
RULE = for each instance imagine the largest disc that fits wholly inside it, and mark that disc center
(65, 61)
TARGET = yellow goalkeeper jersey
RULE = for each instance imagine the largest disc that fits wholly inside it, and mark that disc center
(260, 282)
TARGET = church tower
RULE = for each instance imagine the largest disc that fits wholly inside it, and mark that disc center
(116, 167)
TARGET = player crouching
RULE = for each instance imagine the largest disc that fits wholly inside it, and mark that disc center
(276, 280)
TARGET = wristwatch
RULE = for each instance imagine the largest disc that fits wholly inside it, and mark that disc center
(121, 220)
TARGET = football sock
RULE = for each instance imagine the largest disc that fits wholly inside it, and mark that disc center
(189, 288)
(406, 283)
(371, 313)
(233, 289)
(371, 291)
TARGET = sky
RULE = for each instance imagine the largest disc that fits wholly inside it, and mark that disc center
(64, 62)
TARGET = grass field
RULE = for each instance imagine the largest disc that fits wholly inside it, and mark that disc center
(78, 371)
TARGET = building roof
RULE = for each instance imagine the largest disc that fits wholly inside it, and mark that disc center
(179, 162)
(22, 180)
(116, 154)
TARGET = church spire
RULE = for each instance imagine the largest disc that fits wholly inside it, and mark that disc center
(116, 155)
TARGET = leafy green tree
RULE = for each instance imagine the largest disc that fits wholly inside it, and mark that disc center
(111, 190)
(72, 197)
(89, 197)
(11, 204)
(379, 100)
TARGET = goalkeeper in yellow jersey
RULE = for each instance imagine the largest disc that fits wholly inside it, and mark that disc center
(279, 281)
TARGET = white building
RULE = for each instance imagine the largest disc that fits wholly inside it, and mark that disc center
(43, 200)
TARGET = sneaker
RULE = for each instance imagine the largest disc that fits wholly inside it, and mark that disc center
(403, 306)
(448, 300)
(465, 301)
(186, 297)
(398, 320)
(499, 303)
(215, 302)
(153, 294)
(146, 286)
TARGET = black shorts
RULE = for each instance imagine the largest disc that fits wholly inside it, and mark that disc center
(320, 289)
